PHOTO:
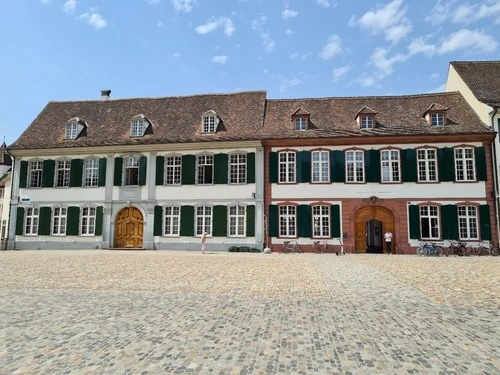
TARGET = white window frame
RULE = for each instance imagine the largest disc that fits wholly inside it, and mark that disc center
(203, 220)
(465, 164)
(300, 123)
(88, 217)
(173, 170)
(287, 221)
(209, 123)
(321, 221)
(172, 221)
(355, 166)
(429, 216)
(287, 161)
(438, 119)
(468, 222)
(90, 172)
(205, 169)
(236, 221)
(390, 165)
(320, 166)
(131, 163)
(63, 173)
(35, 174)
(59, 221)
(366, 122)
(237, 168)
(137, 127)
(427, 165)
(31, 221)
(71, 130)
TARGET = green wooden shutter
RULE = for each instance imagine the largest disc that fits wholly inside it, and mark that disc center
(102, 172)
(219, 220)
(143, 168)
(76, 171)
(98, 220)
(273, 220)
(44, 221)
(158, 221)
(273, 167)
(20, 221)
(304, 166)
(484, 217)
(338, 174)
(23, 175)
(449, 222)
(160, 170)
(250, 220)
(414, 222)
(188, 169)
(118, 171)
(409, 165)
(481, 164)
(187, 220)
(304, 220)
(220, 169)
(372, 165)
(49, 167)
(73, 221)
(336, 220)
(251, 168)
(446, 164)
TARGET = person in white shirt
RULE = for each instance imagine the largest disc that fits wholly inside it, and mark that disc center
(388, 242)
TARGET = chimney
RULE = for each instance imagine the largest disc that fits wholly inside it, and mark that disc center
(105, 94)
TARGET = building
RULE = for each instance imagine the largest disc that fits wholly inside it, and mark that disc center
(5, 180)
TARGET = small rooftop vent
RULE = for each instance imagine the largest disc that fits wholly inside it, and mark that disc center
(105, 94)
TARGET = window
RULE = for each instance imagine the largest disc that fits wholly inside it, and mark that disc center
(366, 122)
(288, 221)
(320, 166)
(90, 172)
(437, 119)
(355, 166)
(71, 131)
(464, 164)
(467, 223)
(172, 220)
(131, 171)
(203, 220)
(300, 123)
(35, 174)
(209, 123)
(88, 221)
(173, 170)
(236, 215)
(390, 165)
(321, 221)
(59, 221)
(62, 173)
(429, 222)
(31, 223)
(237, 168)
(205, 169)
(427, 165)
(287, 167)
(138, 128)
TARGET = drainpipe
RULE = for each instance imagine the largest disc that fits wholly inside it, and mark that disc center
(495, 166)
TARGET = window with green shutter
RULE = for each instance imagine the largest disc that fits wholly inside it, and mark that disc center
(73, 221)
(449, 221)
(158, 221)
(99, 221)
(273, 221)
(409, 165)
(143, 168)
(220, 221)
(304, 166)
(250, 221)
(336, 221)
(102, 172)
(446, 164)
(304, 221)
(273, 167)
(372, 165)
(20, 221)
(188, 169)
(480, 155)
(220, 169)
(484, 217)
(187, 220)
(76, 171)
(45, 221)
(337, 159)
(160, 170)
(414, 222)
(23, 174)
(117, 181)
(251, 168)
(49, 167)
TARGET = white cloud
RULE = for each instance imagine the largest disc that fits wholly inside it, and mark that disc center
(419, 45)
(288, 32)
(323, 3)
(434, 76)
(365, 80)
(444, 11)
(214, 24)
(288, 13)
(470, 40)
(221, 59)
(267, 41)
(185, 6)
(440, 88)
(340, 72)
(332, 48)
(69, 6)
(385, 64)
(286, 83)
(94, 19)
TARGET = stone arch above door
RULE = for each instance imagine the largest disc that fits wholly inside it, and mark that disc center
(366, 213)
(129, 228)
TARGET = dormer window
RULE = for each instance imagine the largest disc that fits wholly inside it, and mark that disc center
(210, 120)
(366, 122)
(436, 115)
(73, 128)
(437, 119)
(366, 118)
(300, 123)
(71, 131)
(139, 124)
(300, 119)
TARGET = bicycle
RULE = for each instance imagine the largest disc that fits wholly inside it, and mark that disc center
(322, 247)
(456, 248)
(289, 247)
(429, 249)
(484, 249)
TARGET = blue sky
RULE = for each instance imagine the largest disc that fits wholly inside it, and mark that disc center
(55, 50)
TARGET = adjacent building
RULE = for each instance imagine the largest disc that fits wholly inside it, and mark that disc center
(5, 184)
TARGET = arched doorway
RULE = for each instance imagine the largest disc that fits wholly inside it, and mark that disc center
(129, 225)
(370, 223)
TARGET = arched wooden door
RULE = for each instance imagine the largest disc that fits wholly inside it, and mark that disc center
(382, 214)
(129, 225)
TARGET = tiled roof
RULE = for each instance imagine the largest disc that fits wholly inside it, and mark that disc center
(396, 115)
(173, 119)
(482, 77)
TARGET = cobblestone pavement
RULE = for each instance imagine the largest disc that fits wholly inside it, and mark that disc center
(112, 312)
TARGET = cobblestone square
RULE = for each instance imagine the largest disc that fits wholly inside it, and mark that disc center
(155, 312)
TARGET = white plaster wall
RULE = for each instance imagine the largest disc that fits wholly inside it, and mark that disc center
(63, 195)
(205, 192)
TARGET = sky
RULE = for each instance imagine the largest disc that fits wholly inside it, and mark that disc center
(62, 50)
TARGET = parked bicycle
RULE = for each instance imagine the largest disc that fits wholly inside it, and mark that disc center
(456, 248)
(322, 247)
(483, 249)
(289, 247)
(429, 249)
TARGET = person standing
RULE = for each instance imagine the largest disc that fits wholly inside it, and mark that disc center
(388, 242)
(203, 241)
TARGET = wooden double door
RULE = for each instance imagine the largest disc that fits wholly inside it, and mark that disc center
(129, 226)
(370, 223)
